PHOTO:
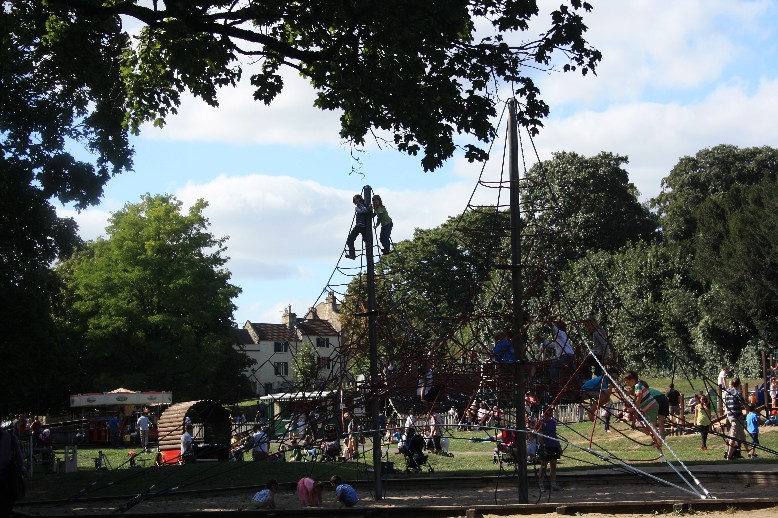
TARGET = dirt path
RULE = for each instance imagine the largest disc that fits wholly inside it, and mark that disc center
(484, 496)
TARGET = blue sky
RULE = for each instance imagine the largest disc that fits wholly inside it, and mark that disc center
(676, 77)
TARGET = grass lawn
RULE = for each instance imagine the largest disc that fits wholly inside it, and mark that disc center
(471, 458)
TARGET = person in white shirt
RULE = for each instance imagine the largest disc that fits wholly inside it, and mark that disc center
(723, 375)
(144, 424)
(563, 349)
(187, 452)
(260, 444)
(436, 430)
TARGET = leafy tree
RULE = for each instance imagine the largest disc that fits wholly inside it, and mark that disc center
(73, 78)
(53, 91)
(586, 204)
(735, 257)
(639, 294)
(152, 303)
(711, 171)
(306, 367)
(419, 70)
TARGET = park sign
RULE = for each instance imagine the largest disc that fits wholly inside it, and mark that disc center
(120, 397)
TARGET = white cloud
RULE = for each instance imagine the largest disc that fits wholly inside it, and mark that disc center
(276, 224)
(91, 222)
(655, 136)
(291, 119)
(651, 45)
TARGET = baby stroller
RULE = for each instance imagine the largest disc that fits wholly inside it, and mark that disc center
(330, 447)
(413, 451)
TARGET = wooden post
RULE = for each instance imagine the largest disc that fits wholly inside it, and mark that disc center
(764, 385)
(517, 305)
(681, 427)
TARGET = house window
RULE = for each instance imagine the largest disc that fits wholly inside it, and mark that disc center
(281, 347)
(323, 363)
(281, 368)
(322, 342)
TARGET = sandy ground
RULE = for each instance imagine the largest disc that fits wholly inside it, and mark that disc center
(505, 492)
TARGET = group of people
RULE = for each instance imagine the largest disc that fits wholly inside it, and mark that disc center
(361, 221)
(504, 351)
(31, 427)
(651, 409)
(302, 446)
(656, 407)
(478, 416)
(309, 493)
(543, 445)
(429, 428)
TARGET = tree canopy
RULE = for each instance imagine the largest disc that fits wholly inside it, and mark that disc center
(58, 88)
(422, 71)
(709, 172)
(587, 204)
(152, 303)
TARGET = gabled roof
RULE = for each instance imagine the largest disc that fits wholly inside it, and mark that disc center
(316, 327)
(242, 337)
(273, 332)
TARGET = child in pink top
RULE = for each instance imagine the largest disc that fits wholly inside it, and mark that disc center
(309, 492)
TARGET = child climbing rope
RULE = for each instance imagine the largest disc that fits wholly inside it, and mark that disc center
(360, 225)
(383, 219)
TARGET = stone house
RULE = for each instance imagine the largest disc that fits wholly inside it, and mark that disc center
(279, 348)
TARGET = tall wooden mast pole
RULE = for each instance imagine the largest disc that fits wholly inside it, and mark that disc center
(518, 302)
(375, 409)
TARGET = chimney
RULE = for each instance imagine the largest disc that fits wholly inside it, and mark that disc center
(289, 319)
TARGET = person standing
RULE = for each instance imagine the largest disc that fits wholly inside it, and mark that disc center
(733, 406)
(702, 419)
(605, 414)
(550, 449)
(187, 445)
(260, 444)
(427, 390)
(360, 225)
(113, 427)
(11, 462)
(674, 400)
(563, 350)
(436, 430)
(36, 430)
(602, 348)
(752, 426)
(722, 379)
(383, 219)
(143, 431)
(352, 436)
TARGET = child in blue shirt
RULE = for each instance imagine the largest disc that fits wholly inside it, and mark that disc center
(265, 499)
(344, 493)
(752, 425)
